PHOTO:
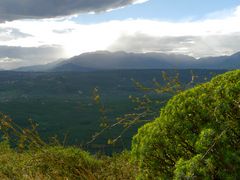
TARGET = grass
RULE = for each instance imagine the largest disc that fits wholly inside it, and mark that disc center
(57, 162)
(24, 155)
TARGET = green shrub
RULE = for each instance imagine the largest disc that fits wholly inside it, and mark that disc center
(196, 136)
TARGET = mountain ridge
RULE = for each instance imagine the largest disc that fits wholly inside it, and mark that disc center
(105, 60)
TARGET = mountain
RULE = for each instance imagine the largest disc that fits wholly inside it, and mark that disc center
(38, 68)
(123, 60)
(57, 66)
(104, 60)
(222, 62)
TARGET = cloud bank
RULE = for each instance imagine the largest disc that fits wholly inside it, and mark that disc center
(38, 9)
(212, 36)
(7, 34)
(16, 56)
(197, 46)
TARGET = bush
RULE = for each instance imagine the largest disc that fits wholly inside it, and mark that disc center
(196, 136)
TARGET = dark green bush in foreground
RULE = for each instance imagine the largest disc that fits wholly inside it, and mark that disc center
(196, 136)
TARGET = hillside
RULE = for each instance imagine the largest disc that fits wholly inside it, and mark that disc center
(185, 142)
(61, 102)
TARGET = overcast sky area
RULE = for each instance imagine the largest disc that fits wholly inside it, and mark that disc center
(42, 31)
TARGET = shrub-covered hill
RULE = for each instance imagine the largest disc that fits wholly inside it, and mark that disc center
(197, 135)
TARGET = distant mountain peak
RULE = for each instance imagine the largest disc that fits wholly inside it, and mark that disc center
(106, 60)
(236, 54)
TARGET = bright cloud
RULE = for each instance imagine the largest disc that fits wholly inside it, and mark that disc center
(208, 37)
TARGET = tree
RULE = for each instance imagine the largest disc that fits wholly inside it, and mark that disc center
(197, 134)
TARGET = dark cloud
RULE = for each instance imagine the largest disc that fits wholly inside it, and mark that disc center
(22, 9)
(12, 57)
(198, 46)
(7, 34)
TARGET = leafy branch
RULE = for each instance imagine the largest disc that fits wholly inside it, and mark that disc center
(146, 107)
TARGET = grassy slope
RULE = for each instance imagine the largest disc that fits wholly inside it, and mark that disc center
(56, 162)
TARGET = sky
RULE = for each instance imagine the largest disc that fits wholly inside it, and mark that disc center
(42, 31)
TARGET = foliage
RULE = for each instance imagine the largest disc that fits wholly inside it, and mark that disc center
(19, 136)
(144, 107)
(197, 134)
